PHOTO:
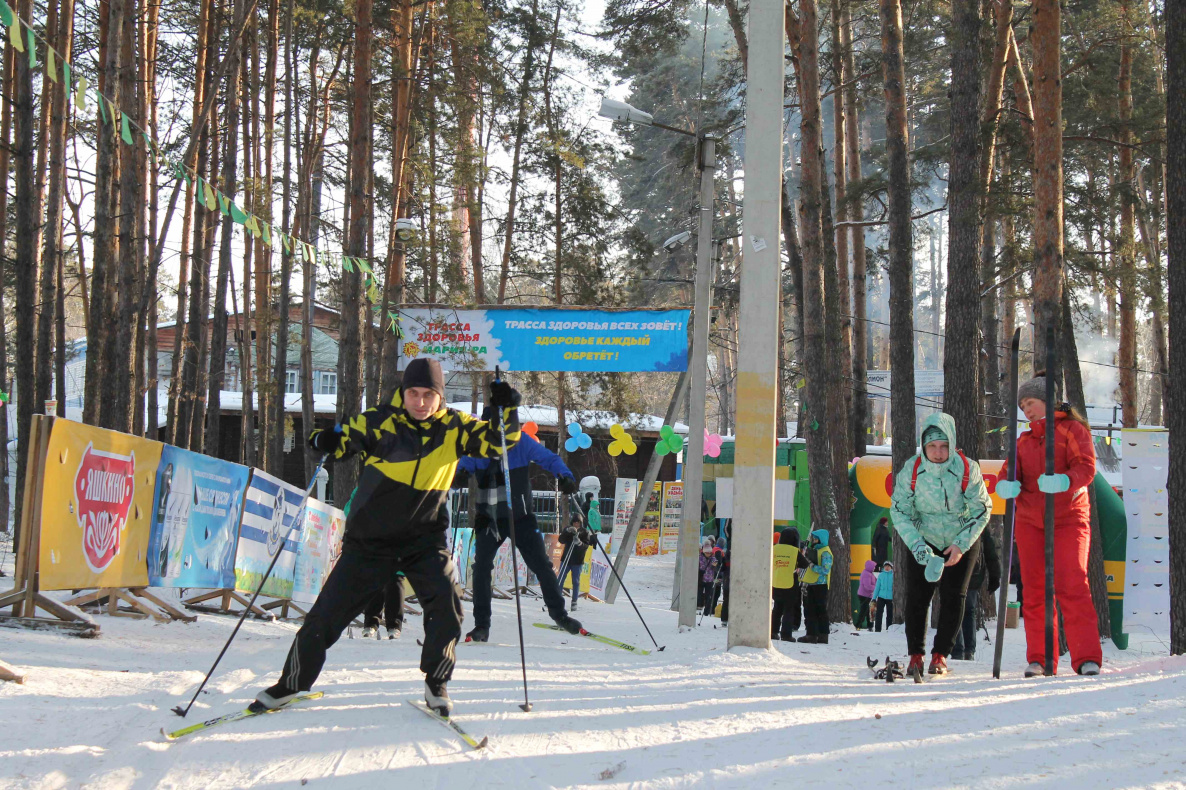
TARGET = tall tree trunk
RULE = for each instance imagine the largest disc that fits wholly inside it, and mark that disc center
(152, 33)
(7, 69)
(349, 373)
(901, 246)
(860, 329)
(1048, 196)
(1175, 194)
(1128, 262)
(961, 354)
(841, 297)
(218, 327)
(280, 375)
(247, 322)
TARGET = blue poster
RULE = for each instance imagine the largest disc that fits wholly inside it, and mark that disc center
(547, 339)
(195, 520)
(269, 525)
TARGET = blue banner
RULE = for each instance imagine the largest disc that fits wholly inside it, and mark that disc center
(547, 339)
(195, 520)
(269, 525)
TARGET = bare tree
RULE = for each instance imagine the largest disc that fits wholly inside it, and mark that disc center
(1175, 192)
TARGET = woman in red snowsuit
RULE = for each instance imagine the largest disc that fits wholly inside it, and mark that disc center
(1074, 466)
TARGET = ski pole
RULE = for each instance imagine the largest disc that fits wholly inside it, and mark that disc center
(295, 525)
(506, 482)
(597, 542)
(1050, 371)
(1010, 508)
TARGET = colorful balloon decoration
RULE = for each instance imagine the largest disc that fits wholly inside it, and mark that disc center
(712, 444)
(531, 429)
(577, 438)
(669, 441)
(622, 442)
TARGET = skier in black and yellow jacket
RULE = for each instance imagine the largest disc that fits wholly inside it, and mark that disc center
(397, 522)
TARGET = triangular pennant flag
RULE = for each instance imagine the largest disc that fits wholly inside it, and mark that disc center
(286, 242)
(346, 261)
(223, 203)
(32, 48)
(14, 34)
(310, 253)
(366, 267)
(51, 67)
(6, 14)
(208, 197)
(68, 76)
(237, 215)
(103, 109)
(266, 232)
(152, 152)
(125, 131)
(80, 94)
(252, 225)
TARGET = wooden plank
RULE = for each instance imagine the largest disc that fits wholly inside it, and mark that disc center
(23, 565)
(63, 611)
(169, 608)
(87, 629)
(32, 585)
(9, 672)
(89, 597)
(125, 595)
(206, 596)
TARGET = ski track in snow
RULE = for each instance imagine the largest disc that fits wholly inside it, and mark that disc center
(694, 715)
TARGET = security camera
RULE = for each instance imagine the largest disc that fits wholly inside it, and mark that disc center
(406, 230)
(677, 241)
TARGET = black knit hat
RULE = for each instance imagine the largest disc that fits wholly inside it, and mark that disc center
(424, 372)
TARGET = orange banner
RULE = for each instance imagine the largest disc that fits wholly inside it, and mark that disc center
(96, 508)
(876, 482)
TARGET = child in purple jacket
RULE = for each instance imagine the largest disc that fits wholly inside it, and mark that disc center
(864, 595)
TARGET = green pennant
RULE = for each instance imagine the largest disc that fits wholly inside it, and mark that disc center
(32, 48)
(80, 94)
(102, 109)
(68, 77)
(125, 130)
(237, 215)
(286, 242)
(346, 261)
(6, 14)
(51, 67)
(366, 267)
(223, 203)
(3, 396)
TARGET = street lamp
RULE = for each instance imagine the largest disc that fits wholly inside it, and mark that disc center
(689, 536)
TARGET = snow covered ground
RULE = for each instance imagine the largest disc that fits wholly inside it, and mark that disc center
(693, 715)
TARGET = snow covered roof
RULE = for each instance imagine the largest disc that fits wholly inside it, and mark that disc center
(548, 416)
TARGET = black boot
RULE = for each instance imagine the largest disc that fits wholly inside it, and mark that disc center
(567, 623)
(480, 634)
(436, 697)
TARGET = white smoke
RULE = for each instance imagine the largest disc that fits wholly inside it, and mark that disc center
(1097, 358)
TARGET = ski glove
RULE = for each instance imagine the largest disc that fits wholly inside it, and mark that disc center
(922, 552)
(934, 568)
(1008, 489)
(567, 484)
(326, 442)
(1053, 484)
(503, 395)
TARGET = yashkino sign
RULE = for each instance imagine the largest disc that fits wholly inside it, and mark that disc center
(552, 339)
(927, 383)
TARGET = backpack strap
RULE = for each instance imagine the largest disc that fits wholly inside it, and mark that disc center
(967, 471)
(914, 474)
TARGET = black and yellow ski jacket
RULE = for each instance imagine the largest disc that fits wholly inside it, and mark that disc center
(408, 465)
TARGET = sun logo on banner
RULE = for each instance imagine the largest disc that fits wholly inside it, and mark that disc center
(411, 350)
(577, 438)
(668, 442)
(712, 444)
(622, 443)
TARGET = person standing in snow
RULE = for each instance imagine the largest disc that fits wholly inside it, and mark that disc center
(705, 587)
(576, 541)
(864, 596)
(881, 542)
(883, 595)
(940, 507)
(1074, 471)
(718, 575)
(410, 446)
(786, 592)
(989, 565)
(490, 532)
(816, 579)
(389, 601)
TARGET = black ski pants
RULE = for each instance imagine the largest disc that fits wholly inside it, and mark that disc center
(953, 589)
(788, 612)
(885, 606)
(965, 635)
(530, 545)
(390, 602)
(815, 610)
(355, 580)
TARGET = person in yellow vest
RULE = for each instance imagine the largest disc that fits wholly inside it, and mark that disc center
(816, 578)
(788, 607)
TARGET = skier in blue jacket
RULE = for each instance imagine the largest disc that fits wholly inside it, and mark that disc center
(490, 532)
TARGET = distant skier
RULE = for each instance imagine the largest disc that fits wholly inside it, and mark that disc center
(397, 522)
(576, 541)
(1074, 466)
(868, 581)
(816, 579)
(490, 532)
(389, 602)
(940, 507)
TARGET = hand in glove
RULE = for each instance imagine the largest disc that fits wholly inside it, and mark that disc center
(934, 568)
(326, 442)
(1008, 489)
(922, 552)
(503, 395)
(586, 537)
(1053, 484)
(568, 485)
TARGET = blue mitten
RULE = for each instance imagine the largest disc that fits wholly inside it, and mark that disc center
(1008, 489)
(934, 568)
(1053, 484)
(922, 552)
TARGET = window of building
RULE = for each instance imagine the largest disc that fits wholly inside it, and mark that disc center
(292, 381)
(326, 383)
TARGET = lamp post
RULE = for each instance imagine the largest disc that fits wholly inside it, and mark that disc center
(689, 536)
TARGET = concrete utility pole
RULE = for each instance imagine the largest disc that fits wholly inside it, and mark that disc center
(757, 359)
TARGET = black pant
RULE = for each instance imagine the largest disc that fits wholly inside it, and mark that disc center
(711, 596)
(885, 606)
(530, 545)
(355, 580)
(391, 602)
(863, 619)
(788, 612)
(725, 601)
(815, 609)
(953, 588)
(965, 637)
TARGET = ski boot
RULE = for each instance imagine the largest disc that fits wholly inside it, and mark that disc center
(938, 665)
(914, 669)
(567, 623)
(370, 632)
(1088, 668)
(1035, 670)
(436, 697)
(573, 608)
(273, 698)
(808, 639)
(394, 633)
(479, 634)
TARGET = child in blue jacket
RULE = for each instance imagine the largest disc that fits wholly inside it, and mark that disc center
(883, 595)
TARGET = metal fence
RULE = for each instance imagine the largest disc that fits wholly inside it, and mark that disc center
(546, 509)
